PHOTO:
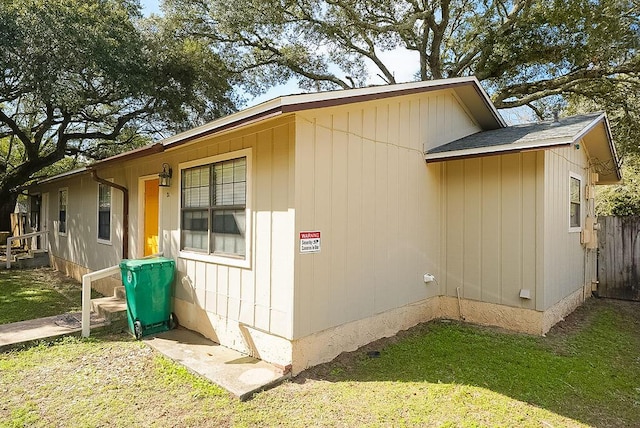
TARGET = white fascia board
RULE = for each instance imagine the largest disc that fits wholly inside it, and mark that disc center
(63, 175)
(376, 90)
(589, 127)
(289, 103)
(240, 116)
(496, 150)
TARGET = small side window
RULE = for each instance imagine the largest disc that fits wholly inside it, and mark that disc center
(63, 195)
(575, 209)
(104, 212)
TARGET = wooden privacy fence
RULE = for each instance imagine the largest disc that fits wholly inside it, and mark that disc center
(619, 257)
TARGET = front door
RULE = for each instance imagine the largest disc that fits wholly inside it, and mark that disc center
(151, 217)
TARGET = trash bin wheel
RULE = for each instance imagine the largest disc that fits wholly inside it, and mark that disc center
(173, 321)
(137, 329)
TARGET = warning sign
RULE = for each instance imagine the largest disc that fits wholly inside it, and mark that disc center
(310, 242)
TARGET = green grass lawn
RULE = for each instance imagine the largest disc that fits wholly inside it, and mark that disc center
(36, 293)
(586, 372)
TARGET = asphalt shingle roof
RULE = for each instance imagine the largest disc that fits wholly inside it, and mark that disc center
(563, 129)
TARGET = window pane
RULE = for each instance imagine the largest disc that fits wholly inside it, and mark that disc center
(230, 179)
(104, 196)
(62, 223)
(240, 170)
(239, 193)
(62, 211)
(229, 228)
(104, 212)
(575, 190)
(574, 215)
(194, 240)
(195, 187)
(195, 220)
(195, 229)
(104, 225)
(225, 197)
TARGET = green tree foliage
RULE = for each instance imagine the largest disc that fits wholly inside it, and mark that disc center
(526, 52)
(91, 78)
(525, 49)
(622, 199)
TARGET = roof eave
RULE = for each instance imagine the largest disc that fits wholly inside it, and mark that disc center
(131, 154)
(62, 176)
(494, 150)
(467, 88)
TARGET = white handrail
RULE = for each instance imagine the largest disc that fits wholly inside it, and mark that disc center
(86, 291)
(19, 238)
(86, 294)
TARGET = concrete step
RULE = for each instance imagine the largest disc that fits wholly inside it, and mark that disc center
(31, 259)
(120, 293)
(112, 309)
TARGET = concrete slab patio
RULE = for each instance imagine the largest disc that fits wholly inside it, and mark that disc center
(239, 374)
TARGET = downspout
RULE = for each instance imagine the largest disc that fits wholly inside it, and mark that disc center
(125, 210)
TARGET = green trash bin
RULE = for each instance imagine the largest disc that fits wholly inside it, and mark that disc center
(147, 283)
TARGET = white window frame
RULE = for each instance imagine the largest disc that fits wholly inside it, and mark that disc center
(66, 215)
(99, 239)
(574, 176)
(229, 260)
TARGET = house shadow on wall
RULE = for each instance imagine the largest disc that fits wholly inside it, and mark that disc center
(578, 371)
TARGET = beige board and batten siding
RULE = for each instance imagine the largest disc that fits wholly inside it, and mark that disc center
(564, 264)
(361, 180)
(238, 306)
(80, 244)
(492, 211)
(78, 251)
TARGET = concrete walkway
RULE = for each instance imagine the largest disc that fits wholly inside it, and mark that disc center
(239, 374)
(24, 332)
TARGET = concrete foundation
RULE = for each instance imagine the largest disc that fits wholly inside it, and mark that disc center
(321, 347)
(296, 355)
(235, 335)
(328, 344)
(557, 312)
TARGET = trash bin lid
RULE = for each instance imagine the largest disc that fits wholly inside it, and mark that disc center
(149, 263)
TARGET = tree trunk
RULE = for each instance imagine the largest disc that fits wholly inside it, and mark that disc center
(7, 206)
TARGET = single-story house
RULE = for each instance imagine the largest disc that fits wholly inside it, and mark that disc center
(313, 224)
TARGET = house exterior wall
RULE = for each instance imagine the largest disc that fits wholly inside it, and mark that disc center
(361, 180)
(492, 209)
(483, 227)
(245, 307)
(79, 251)
(80, 243)
(565, 265)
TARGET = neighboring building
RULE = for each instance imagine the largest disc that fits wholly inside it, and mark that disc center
(304, 226)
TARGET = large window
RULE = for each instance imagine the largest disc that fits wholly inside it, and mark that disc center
(62, 210)
(104, 212)
(574, 202)
(213, 211)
